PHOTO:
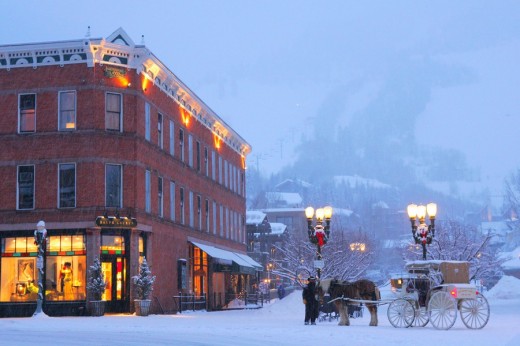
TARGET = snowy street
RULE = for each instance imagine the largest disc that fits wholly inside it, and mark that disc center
(277, 323)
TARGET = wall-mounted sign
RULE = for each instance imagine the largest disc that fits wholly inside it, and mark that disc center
(116, 222)
(114, 72)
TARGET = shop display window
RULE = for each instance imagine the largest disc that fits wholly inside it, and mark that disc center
(66, 278)
(112, 244)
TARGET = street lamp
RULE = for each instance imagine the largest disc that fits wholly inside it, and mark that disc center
(422, 234)
(40, 235)
(318, 234)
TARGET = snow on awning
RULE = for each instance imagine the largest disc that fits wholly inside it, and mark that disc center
(227, 257)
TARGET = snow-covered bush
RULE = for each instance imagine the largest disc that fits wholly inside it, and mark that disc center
(96, 280)
(144, 281)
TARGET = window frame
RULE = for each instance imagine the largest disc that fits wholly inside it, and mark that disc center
(18, 187)
(60, 111)
(120, 113)
(20, 112)
(120, 185)
(60, 185)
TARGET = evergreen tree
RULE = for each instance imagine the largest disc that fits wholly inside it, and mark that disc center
(144, 281)
(96, 280)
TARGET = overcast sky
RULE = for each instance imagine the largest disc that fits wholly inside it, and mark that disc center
(268, 67)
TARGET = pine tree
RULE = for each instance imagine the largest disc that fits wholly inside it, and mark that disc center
(144, 281)
(96, 280)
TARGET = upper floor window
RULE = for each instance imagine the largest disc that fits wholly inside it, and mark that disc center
(181, 143)
(147, 121)
(113, 112)
(172, 138)
(67, 113)
(181, 203)
(160, 196)
(206, 163)
(113, 186)
(172, 200)
(27, 113)
(190, 150)
(148, 191)
(197, 155)
(67, 185)
(25, 195)
(160, 130)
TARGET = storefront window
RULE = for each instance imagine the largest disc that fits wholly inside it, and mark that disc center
(112, 244)
(65, 267)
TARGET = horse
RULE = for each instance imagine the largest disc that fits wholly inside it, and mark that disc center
(344, 290)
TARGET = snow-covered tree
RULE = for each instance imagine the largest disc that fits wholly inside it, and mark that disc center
(454, 241)
(144, 281)
(341, 261)
(512, 193)
(96, 280)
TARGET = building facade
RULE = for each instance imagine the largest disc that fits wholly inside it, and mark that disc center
(121, 160)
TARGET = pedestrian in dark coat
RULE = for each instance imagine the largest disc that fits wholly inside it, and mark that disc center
(281, 291)
(311, 302)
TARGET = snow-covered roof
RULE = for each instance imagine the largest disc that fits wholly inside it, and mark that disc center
(254, 217)
(278, 228)
(355, 180)
(288, 199)
(513, 261)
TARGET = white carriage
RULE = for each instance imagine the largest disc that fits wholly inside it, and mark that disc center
(433, 291)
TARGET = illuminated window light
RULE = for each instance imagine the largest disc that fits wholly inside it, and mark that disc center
(70, 125)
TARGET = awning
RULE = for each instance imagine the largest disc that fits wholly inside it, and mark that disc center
(240, 263)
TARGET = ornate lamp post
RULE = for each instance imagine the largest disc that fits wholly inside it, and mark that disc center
(318, 234)
(40, 235)
(422, 234)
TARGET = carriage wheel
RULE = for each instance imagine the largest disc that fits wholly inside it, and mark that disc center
(442, 309)
(421, 317)
(475, 312)
(401, 313)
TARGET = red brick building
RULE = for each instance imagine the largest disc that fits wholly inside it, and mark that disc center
(121, 160)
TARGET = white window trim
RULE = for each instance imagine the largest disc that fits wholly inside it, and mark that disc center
(75, 110)
(20, 113)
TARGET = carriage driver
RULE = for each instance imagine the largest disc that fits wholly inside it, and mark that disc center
(310, 301)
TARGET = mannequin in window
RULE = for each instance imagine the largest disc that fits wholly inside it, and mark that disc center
(66, 281)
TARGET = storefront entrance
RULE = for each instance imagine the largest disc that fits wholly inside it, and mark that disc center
(114, 263)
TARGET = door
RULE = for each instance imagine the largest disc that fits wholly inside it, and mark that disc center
(116, 291)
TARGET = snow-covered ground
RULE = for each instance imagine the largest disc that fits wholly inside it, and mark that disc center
(277, 323)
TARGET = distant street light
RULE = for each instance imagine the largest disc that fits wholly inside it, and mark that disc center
(422, 234)
(318, 234)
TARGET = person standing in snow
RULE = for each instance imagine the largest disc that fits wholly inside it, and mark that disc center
(310, 301)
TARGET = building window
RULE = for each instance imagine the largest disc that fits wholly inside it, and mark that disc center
(172, 200)
(65, 265)
(160, 196)
(214, 217)
(160, 130)
(67, 107)
(67, 185)
(190, 150)
(226, 173)
(114, 112)
(206, 210)
(213, 166)
(181, 202)
(148, 191)
(181, 143)
(25, 196)
(221, 214)
(197, 155)
(172, 138)
(27, 113)
(199, 211)
(147, 121)
(220, 170)
(113, 185)
(206, 163)
(192, 218)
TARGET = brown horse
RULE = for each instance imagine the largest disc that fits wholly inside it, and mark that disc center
(343, 290)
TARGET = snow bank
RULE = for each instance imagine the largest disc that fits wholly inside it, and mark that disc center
(508, 287)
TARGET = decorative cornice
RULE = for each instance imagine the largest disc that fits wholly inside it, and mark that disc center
(118, 49)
